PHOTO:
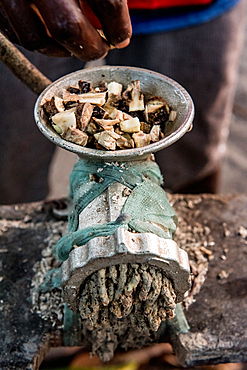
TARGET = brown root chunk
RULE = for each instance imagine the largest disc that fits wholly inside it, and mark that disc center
(70, 104)
(157, 110)
(98, 112)
(102, 86)
(159, 117)
(124, 143)
(84, 87)
(141, 139)
(145, 127)
(83, 115)
(76, 136)
(50, 107)
(123, 106)
(106, 124)
(92, 128)
(106, 140)
(73, 90)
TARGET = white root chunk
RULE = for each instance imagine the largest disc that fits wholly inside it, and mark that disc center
(137, 98)
(91, 97)
(172, 115)
(59, 104)
(115, 88)
(130, 125)
(112, 113)
(155, 133)
(63, 120)
(155, 103)
(114, 135)
(118, 114)
(110, 110)
(107, 124)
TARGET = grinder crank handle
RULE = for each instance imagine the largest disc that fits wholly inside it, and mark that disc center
(22, 67)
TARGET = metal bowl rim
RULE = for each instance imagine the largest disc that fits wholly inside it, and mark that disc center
(137, 153)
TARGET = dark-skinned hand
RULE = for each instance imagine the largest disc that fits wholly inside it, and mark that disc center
(62, 28)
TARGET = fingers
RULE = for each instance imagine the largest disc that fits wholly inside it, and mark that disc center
(59, 27)
(115, 20)
(26, 28)
(68, 26)
(53, 49)
(6, 28)
(26, 24)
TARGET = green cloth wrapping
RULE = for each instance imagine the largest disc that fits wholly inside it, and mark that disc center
(151, 211)
(72, 328)
(147, 208)
(179, 323)
(53, 279)
(83, 191)
(81, 237)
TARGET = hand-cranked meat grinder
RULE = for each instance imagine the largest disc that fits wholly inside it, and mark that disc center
(124, 279)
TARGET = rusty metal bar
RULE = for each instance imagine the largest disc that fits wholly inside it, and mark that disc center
(21, 67)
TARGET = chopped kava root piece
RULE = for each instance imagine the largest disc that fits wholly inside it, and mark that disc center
(106, 140)
(76, 136)
(64, 120)
(130, 125)
(108, 117)
(141, 139)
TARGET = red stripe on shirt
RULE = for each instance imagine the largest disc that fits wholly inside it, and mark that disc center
(155, 4)
(142, 4)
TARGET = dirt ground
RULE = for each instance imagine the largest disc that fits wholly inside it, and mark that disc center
(234, 174)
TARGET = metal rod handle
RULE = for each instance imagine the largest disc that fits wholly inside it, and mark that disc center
(21, 67)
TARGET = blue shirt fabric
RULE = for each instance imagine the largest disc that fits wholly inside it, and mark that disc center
(148, 22)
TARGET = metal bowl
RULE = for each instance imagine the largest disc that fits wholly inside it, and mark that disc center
(152, 83)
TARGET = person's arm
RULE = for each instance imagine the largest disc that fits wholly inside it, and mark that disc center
(60, 27)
